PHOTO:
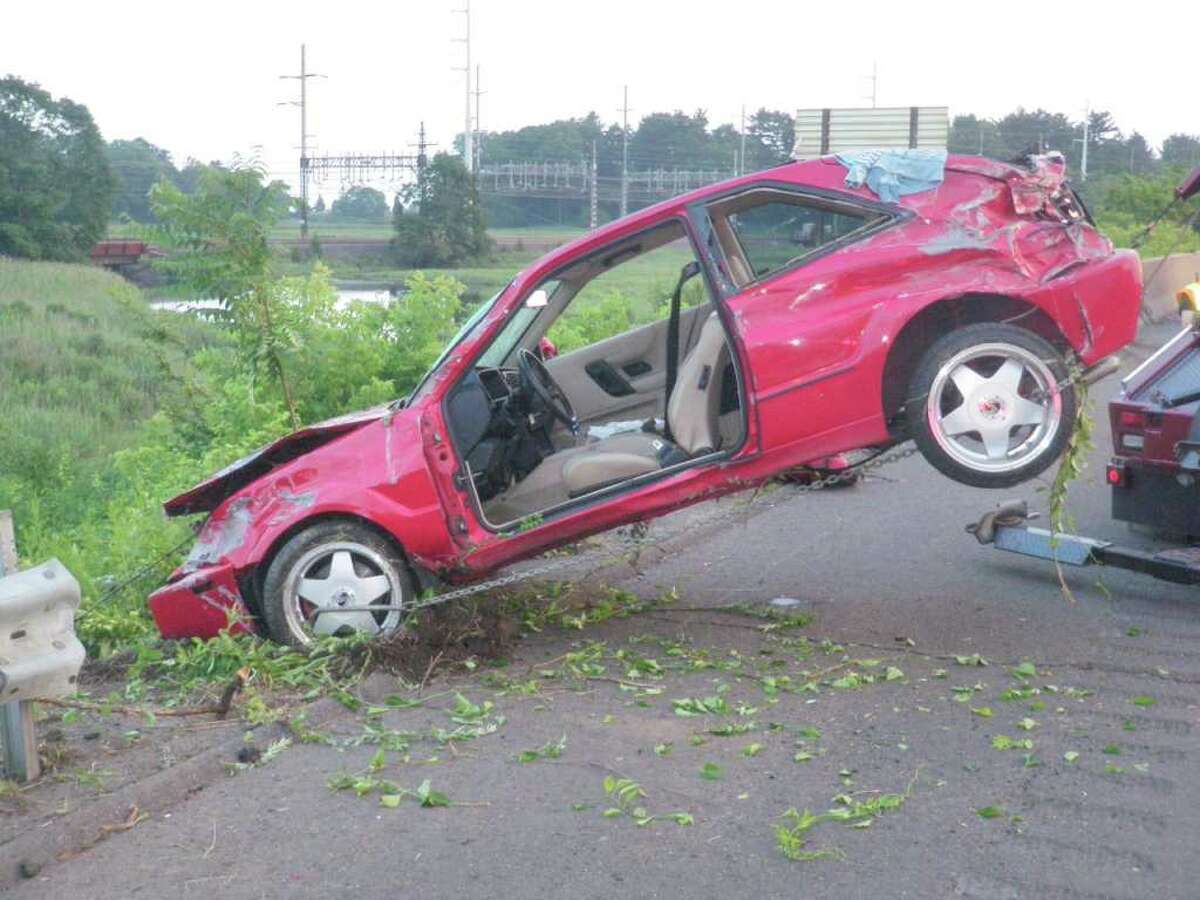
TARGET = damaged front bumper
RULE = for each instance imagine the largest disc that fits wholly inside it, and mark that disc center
(201, 603)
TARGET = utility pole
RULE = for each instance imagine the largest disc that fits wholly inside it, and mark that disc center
(593, 211)
(303, 104)
(740, 168)
(1087, 124)
(468, 148)
(874, 82)
(422, 161)
(478, 127)
(625, 154)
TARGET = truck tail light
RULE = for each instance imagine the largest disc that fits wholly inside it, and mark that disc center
(1133, 419)
(1117, 475)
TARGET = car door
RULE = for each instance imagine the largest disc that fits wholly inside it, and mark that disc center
(797, 308)
(624, 376)
(612, 367)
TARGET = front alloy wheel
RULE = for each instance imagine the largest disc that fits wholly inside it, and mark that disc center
(335, 578)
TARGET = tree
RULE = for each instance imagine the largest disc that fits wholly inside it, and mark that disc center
(319, 206)
(363, 204)
(137, 165)
(770, 139)
(1182, 150)
(445, 225)
(219, 235)
(55, 183)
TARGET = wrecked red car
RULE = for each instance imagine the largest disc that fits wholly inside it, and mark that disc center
(732, 334)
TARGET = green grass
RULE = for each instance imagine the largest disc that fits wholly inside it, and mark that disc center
(83, 362)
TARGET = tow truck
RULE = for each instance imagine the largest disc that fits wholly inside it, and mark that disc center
(1154, 473)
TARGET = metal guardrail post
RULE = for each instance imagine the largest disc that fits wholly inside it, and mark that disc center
(8, 545)
(19, 737)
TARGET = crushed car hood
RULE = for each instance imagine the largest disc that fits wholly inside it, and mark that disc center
(205, 496)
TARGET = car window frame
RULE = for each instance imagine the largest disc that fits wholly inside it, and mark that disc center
(888, 215)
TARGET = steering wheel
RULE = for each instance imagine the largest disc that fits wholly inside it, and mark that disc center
(538, 378)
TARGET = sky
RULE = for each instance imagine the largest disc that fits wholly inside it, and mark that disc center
(202, 80)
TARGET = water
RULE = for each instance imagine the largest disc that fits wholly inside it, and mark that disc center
(345, 296)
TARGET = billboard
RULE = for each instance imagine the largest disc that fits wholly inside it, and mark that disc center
(823, 131)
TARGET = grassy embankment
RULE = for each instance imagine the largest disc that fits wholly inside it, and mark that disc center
(83, 363)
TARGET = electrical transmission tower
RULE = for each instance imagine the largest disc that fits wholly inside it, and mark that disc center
(468, 148)
(625, 154)
(303, 104)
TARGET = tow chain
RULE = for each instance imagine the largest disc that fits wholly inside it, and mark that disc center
(850, 473)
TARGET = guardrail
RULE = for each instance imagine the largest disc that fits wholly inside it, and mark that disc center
(40, 656)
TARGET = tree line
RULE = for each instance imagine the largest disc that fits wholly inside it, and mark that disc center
(61, 183)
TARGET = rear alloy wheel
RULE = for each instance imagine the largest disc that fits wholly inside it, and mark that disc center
(986, 408)
(321, 575)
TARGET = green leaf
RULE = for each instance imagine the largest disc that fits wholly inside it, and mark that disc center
(1112, 750)
(985, 711)
(1004, 742)
(378, 761)
(973, 660)
(664, 749)
(893, 674)
(390, 801)
(811, 733)
(990, 812)
(710, 772)
(1027, 724)
(1143, 701)
(1030, 760)
(802, 756)
(1070, 756)
(1024, 670)
(752, 750)
(612, 812)
(682, 818)
(528, 756)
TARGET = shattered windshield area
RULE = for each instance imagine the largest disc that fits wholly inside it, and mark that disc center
(467, 328)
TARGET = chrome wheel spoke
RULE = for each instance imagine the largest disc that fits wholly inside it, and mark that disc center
(341, 566)
(373, 588)
(1026, 412)
(333, 622)
(1008, 376)
(995, 441)
(957, 422)
(317, 591)
(966, 379)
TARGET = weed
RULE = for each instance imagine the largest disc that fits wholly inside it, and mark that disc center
(701, 706)
(625, 798)
(1004, 742)
(549, 750)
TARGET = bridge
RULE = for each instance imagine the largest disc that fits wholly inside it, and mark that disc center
(544, 179)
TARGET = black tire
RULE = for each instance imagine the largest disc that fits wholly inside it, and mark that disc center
(953, 457)
(371, 556)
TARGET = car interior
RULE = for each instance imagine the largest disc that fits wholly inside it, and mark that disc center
(617, 368)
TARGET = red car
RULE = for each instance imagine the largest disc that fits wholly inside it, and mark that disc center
(706, 344)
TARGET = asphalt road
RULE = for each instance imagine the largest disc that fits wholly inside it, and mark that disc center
(889, 576)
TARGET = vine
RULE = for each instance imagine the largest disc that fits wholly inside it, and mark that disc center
(1070, 467)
